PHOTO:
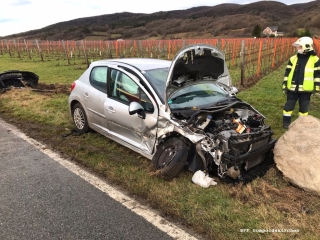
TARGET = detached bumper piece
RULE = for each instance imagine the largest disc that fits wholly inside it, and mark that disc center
(18, 79)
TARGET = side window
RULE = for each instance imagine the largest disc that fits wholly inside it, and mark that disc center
(98, 78)
(126, 90)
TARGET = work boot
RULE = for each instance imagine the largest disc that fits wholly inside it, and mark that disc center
(286, 121)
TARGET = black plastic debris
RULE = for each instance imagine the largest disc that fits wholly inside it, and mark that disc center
(18, 79)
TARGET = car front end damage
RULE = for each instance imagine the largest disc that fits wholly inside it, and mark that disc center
(230, 139)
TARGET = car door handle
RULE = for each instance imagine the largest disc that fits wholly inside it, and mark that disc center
(110, 109)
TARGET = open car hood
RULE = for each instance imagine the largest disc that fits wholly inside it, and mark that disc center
(194, 64)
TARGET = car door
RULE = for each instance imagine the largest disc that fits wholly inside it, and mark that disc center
(125, 88)
(96, 96)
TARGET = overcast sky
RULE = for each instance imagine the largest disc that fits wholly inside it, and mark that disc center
(23, 15)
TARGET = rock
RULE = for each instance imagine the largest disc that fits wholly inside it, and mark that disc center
(297, 153)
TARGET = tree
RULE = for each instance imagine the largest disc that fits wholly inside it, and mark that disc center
(303, 32)
(307, 33)
(256, 31)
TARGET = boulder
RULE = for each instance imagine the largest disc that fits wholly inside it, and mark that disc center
(297, 153)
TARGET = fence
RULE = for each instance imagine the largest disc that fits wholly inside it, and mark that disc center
(248, 59)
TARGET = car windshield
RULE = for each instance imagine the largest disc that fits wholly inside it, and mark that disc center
(199, 95)
(157, 78)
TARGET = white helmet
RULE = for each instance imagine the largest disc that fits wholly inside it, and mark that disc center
(305, 42)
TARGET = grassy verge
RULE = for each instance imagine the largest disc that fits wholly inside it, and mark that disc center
(220, 212)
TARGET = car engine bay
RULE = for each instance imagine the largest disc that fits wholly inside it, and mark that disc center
(235, 137)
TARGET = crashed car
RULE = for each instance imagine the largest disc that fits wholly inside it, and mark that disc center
(179, 114)
(18, 79)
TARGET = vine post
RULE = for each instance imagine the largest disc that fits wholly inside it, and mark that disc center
(242, 62)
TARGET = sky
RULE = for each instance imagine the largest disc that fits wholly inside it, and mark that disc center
(18, 16)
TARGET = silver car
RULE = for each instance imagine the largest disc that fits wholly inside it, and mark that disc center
(179, 114)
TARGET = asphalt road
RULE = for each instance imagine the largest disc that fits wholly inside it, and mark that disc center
(42, 199)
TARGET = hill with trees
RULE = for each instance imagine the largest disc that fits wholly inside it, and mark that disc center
(223, 20)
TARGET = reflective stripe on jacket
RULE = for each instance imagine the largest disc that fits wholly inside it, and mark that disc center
(308, 81)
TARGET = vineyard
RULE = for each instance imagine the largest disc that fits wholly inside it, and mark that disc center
(248, 59)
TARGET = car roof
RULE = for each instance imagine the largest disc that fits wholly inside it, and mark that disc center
(141, 63)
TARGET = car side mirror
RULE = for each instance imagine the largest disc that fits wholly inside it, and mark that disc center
(234, 90)
(136, 108)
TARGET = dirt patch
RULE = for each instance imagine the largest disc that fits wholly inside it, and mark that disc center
(46, 89)
(52, 88)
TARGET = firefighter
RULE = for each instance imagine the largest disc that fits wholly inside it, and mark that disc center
(301, 79)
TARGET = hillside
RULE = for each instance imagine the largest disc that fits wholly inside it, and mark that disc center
(224, 20)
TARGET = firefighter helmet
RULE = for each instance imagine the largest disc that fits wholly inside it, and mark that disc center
(305, 42)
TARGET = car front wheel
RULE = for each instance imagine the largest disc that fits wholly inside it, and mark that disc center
(171, 157)
(80, 119)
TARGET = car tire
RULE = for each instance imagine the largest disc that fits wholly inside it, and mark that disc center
(80, 118)
(171, 157)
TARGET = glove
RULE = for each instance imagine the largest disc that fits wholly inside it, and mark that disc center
(284, 89)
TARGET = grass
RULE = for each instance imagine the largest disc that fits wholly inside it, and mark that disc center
(219, 212)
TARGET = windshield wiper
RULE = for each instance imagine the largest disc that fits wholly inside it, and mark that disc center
(179, 109)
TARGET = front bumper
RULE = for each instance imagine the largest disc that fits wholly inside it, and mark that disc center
(249, 156)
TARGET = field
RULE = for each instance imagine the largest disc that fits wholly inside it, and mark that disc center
(254, 57)
(225, 211)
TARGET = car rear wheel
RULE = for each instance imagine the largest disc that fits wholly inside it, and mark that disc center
(171, 157)
(80, 118)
